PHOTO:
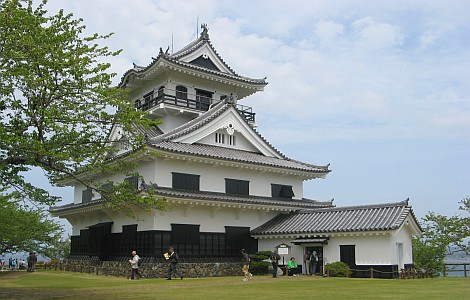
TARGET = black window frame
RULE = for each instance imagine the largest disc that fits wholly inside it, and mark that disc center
(183, 181)
(181, 92)
(133, 182)
(282, 191)
(237, 186)
(87, 195)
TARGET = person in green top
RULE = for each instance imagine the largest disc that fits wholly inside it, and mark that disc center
(292, 267)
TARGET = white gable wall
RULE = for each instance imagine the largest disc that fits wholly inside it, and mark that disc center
(241, 143)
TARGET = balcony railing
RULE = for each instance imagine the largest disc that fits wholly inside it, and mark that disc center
(202, 103)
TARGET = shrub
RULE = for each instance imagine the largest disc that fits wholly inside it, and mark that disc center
(259, 267)
(338, 269)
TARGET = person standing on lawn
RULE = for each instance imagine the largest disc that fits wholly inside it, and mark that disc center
(134, 261)
(173, 264)
(246, 265)
(275, 257)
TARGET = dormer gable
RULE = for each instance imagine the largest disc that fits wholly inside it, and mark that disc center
(201, 53)
(222, 126)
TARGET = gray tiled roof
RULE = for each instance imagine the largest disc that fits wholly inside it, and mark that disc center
(338, 219)
(204, 119)
(213, 196)
(191, 47)
(257, 200)
(195, 123)
(164, 142)
(216, 152)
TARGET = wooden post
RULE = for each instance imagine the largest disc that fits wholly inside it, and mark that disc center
(444, 271)
(465, 270)
(371, 272)
(409, 275)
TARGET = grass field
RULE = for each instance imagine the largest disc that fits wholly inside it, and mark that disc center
(68, 285)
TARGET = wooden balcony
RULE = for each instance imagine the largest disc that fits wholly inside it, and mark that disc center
(201, 103)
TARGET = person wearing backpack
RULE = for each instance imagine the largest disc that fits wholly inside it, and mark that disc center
(134, 261)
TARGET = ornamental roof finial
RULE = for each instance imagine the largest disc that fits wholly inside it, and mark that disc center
(204, 33)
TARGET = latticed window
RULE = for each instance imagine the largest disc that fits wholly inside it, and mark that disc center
(185, 181)
(133, 182)
(181, 92)
(219, 138)
(237, 187)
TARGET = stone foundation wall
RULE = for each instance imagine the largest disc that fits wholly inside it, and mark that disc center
(150, 270)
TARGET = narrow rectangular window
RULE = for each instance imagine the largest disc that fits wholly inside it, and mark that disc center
(87, 195)
(219, 138)
(231, 140)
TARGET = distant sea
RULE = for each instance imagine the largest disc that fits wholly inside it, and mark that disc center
(458, 269)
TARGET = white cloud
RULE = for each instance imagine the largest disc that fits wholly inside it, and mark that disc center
(328, 30)
(339, 72)
(375, 35)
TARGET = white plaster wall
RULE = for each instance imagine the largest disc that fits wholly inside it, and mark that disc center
(212, 178)
(403, 235)
(171, 122)
(296, 251)
(370, 249)
(211, 220)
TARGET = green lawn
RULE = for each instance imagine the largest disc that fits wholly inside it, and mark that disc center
(67, 285)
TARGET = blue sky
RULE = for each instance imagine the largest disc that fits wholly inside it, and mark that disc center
(378, 89)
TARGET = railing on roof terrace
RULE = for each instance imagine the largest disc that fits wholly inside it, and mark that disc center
(201, 103)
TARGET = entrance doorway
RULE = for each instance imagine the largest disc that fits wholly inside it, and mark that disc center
(319, 264)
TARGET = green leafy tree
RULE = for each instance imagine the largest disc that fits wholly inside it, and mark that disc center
(57, 108)
(442, 236)
(25, 228)
(59, 250)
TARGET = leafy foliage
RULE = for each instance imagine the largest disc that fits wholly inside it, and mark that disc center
(442, 235)
(25, 228)
(258, 265)
(57, 108)
(58, 251)
(338, 269)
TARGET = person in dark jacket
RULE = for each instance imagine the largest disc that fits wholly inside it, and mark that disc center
(275, 257)
(246, 265)
(173, 264)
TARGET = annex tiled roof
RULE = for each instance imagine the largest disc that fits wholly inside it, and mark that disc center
(212, 196)
(338, 219)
